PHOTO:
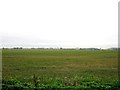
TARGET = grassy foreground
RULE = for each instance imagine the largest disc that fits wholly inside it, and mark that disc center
(96, 69)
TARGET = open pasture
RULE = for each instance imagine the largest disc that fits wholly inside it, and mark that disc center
(60, 67)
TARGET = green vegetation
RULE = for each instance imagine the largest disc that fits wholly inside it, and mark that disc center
(96, 69)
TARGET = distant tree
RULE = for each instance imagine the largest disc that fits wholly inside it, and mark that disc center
(20, 48)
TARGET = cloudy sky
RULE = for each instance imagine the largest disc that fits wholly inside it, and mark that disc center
(59, 23)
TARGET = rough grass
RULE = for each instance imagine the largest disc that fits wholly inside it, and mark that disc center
(61, 66)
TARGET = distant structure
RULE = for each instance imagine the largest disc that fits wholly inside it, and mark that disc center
(113, 48)
(17, 48)
(89, 49)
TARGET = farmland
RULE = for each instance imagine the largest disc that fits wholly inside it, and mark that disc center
(60, 68)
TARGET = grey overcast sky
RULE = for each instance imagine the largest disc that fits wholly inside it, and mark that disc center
(59, 23)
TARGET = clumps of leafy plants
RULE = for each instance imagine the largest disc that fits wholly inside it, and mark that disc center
(57, 84)
(14, 84)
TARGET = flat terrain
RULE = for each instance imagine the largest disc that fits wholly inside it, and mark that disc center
(61, 65)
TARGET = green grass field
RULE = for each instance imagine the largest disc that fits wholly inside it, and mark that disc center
(61, 68)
